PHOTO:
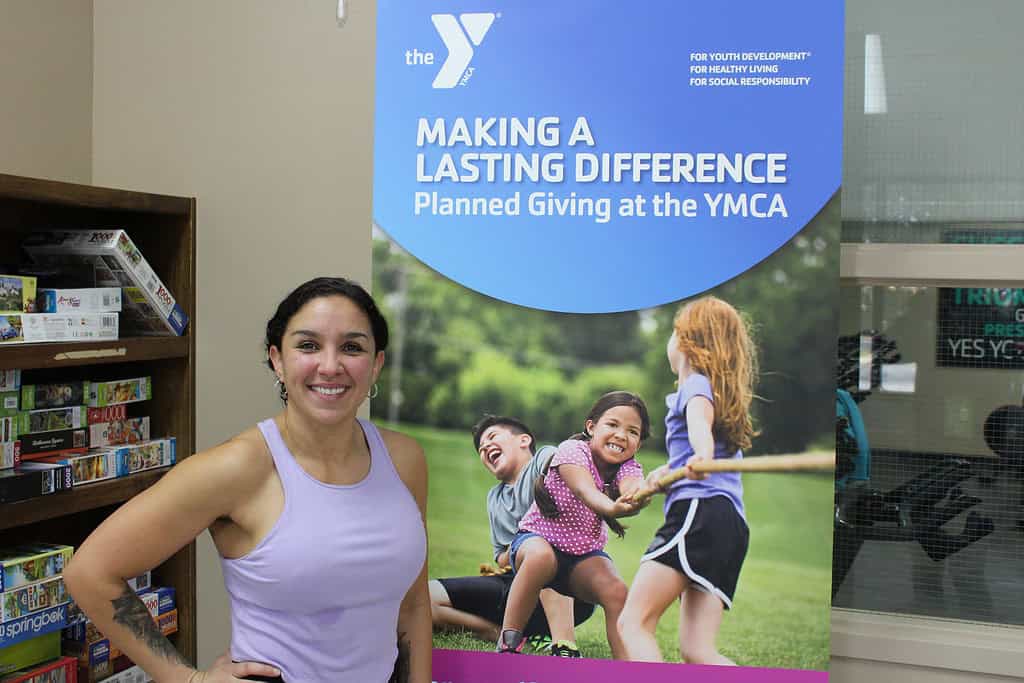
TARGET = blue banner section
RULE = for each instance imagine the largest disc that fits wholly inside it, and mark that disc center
(603, 156)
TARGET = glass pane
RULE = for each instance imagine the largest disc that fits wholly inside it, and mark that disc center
(933, 119)
(930, 492)
(929, 517)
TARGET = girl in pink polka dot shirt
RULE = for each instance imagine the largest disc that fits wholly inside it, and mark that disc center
(562, 537)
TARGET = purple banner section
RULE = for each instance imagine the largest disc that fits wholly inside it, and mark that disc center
(453, 666)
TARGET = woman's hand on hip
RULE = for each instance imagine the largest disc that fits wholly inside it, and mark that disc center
(226, 671)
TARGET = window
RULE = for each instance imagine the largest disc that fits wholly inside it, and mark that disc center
(932, 312)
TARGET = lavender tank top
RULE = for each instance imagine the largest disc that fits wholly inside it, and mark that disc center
(318, 597)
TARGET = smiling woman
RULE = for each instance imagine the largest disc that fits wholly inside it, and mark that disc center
(287, 503)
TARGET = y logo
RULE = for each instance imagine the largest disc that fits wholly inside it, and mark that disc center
(474, 27)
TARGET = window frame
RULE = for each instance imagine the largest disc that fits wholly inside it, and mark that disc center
(952, 644)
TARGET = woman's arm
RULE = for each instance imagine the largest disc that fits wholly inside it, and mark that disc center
(142, 534)
(700, 416)
(414, 622)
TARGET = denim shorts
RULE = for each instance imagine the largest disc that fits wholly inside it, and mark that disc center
(566, 562)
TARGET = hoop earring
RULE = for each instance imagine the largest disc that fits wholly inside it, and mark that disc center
(374, 390)
(282, 390)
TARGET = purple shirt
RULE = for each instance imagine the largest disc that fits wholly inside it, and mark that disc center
(677, 441)
(577, 529)
(318, 597)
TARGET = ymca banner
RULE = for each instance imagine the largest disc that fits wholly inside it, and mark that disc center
(570, 201)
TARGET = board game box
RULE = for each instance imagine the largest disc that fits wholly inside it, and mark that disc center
(11, 328)
(54, 395)
(88, 468)
(141, 582)
(158, 600)
(94, 659)
(34, 625)
(8, 428)
(106, 414)
(133, 674)
(89, 300)
(57, 327)
(168, 622)
(49, 443)
(120, 391)
(51, 419)
(34, 479)
(10, 454)
(26, 564)
(142, 318)
(117, 263)
(30, 652)
(62, 670)
(9, 403)
(117, 432)
(145, 456)
(10, 380)
(17, 294)
(19, 602)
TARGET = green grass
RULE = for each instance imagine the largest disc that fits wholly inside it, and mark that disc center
(781, 611)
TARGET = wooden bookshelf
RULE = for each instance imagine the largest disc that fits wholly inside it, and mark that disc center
(79, 499)
(163, 227)
(131, 349)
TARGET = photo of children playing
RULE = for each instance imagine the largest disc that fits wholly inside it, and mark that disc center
(544, 431)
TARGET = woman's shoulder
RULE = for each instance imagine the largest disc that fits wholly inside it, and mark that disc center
(242, 460)
(401, 446)
(408, 458)
(246, 446)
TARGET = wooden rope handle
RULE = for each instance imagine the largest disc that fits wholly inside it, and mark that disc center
(764, 463)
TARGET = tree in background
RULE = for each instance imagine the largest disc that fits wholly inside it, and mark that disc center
(458, 354)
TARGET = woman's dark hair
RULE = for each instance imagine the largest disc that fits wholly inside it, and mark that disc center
(320, 287)
(614, 399)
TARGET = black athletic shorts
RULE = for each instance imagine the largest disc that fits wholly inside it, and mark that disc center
(706, 539)
(485, 596)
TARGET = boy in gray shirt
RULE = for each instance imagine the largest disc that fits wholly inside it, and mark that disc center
(506, 449)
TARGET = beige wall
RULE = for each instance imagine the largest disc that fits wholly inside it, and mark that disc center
(263, 110)
(46, 86)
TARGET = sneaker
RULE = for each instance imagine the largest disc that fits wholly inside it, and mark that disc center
(540, 643)
(564, 648)
(511, 642)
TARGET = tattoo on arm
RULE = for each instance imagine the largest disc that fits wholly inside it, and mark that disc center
(131, 612)
(401, 672)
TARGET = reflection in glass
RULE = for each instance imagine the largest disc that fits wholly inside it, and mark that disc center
(929, 514)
